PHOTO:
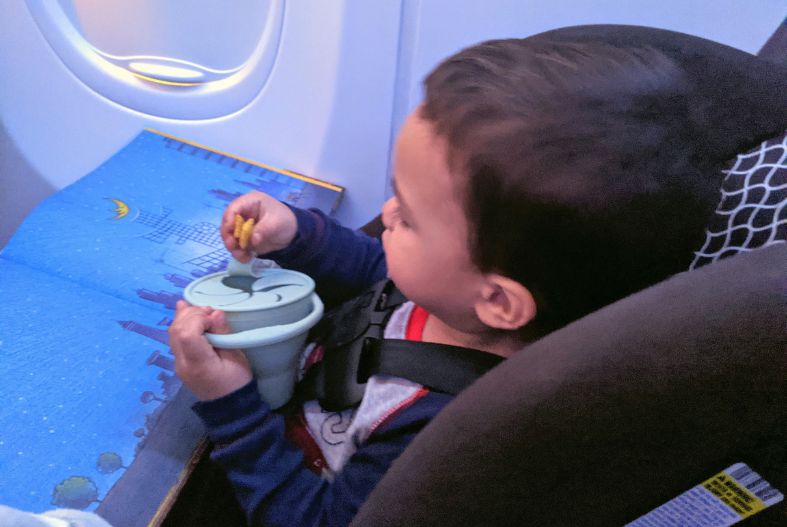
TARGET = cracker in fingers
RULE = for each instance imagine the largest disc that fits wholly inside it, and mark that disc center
(245, 234)
(238, 226)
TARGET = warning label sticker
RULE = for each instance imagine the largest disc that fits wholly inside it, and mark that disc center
(724, 499)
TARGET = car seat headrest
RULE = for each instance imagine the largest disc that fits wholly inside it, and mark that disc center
(745, 96)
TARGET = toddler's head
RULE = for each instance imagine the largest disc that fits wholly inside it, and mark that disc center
(547, 178)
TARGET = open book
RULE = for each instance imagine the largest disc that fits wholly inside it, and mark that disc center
(88, 287)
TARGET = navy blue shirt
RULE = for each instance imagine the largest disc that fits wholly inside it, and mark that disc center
(267, 471)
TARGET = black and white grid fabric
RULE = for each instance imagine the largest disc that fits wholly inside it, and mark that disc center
(752, 212)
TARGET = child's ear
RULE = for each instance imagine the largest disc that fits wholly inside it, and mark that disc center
(505, 303)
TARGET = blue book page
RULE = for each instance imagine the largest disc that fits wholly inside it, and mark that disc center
(84, 378)
(88, 284)
(145, 223)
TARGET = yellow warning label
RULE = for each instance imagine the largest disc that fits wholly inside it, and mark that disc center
(735, 495)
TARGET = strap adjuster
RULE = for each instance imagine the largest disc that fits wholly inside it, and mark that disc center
(343, 381)
(356, 350)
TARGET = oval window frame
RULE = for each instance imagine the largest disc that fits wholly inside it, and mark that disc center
(216, 94)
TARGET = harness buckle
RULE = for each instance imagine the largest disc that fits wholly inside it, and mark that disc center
(344, 377)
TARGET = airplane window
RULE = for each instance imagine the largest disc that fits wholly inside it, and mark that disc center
(170, 58)
(204, 32)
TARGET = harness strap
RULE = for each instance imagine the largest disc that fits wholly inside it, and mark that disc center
(438, 367)
(355, 350)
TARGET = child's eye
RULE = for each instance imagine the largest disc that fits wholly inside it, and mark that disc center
(397, 218)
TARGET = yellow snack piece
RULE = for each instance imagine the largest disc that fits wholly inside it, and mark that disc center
(245, 234)
(238, 225)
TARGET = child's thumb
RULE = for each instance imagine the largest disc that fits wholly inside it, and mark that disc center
(218, 323)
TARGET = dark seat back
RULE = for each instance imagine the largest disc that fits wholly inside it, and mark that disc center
(619, 412)
(615, 414)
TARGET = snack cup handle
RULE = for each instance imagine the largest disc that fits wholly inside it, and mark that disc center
(268, 335)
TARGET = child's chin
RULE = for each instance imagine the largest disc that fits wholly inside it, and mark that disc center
(402, 287)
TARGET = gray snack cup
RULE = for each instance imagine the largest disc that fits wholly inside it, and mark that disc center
(270, 312)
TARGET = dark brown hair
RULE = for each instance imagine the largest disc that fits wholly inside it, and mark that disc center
(579, 173)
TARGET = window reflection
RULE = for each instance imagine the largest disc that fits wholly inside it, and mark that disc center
(214, 35)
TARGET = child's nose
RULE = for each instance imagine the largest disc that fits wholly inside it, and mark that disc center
(386, 217)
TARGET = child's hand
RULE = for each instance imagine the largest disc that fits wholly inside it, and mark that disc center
(275, 225)
(208, 372)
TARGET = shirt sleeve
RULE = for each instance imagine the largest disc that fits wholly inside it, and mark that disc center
(267, 471)
(343, 262)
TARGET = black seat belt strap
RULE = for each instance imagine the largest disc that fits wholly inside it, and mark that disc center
(439, 367)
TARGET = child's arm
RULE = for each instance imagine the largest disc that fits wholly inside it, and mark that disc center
(267, 472)
(342, 261)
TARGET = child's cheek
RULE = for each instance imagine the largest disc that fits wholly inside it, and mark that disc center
(393, 254)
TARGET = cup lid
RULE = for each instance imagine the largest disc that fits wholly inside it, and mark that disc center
(270, 289)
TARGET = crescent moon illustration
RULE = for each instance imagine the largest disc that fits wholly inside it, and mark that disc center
(121, 210)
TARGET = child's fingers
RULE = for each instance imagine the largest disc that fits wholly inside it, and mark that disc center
(241, 255)
(183, 309)
(187, 333)
(181, 306)
(217, 323)
(208, 372)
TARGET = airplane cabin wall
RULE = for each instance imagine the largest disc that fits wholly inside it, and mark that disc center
(324, 110)
(345, 75)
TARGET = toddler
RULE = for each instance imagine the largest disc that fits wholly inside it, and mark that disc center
(537, 182)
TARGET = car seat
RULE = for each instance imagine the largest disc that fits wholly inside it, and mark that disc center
(621, 411)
